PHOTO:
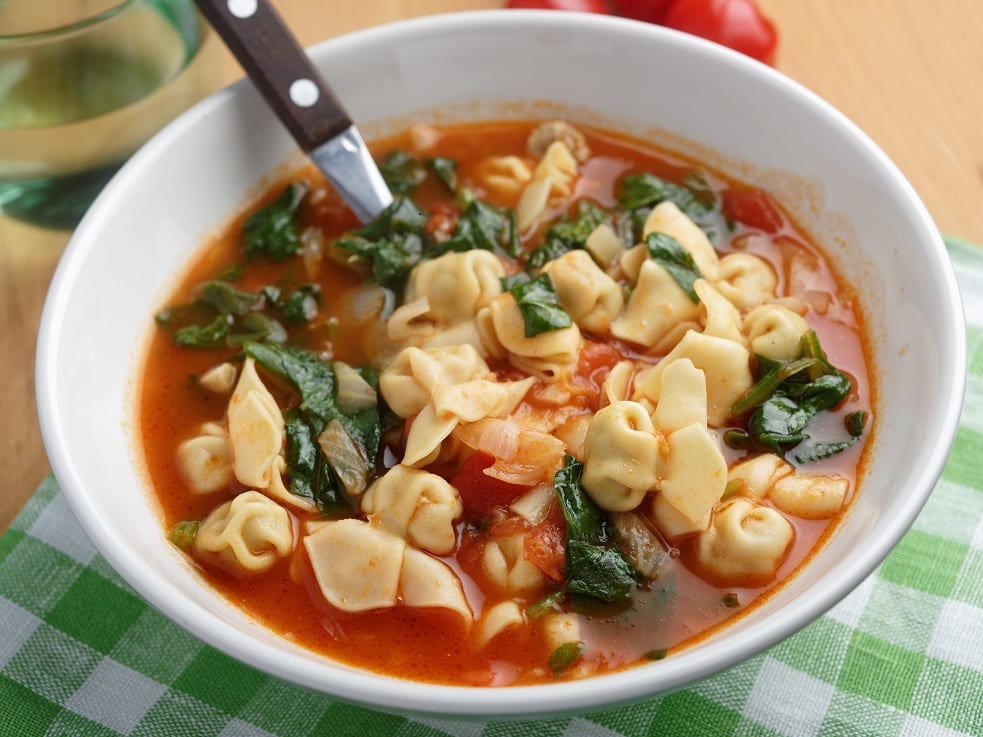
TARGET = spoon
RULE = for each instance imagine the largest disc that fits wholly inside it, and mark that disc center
(295, 90)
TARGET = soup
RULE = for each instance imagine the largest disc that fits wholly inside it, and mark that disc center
(568, 405)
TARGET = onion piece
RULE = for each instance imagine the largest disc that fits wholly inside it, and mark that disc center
(346, 457)
(354, 393)
(644, 547)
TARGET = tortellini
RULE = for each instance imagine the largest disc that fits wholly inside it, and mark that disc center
(356, 564)
(246, 535)
(591, 297)
(552, 179)
(425, 581)
(746, 280)
(468, 401)
(500, 617)
(657, 307)
(725, 363)
(809, 496)
(548, 133)
(667, 218)
(456, 285)
(621, 456)
(504, 175)
(255, 429)
(694, 474)
(682, 398)
(722, 320)
(758, 474)
(549, 355)
(360, 567)
(775, 332)
(505, 565)
(745, 544)
(256, 434)
(417, 505)
(671, 523)
(408, 383)
(205, 461)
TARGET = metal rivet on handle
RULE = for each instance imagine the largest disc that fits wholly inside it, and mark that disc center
(242, 8)
(304, 93)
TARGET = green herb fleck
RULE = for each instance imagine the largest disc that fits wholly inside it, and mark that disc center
(656, 654)
(855, 423)
(561, 659)
(183, 534)
(446, 171)
(549, 603)
(210, 335)
(730, 600)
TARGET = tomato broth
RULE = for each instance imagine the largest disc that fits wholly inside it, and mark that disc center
(684, 601)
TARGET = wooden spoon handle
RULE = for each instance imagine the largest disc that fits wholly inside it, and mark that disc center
(278, 66)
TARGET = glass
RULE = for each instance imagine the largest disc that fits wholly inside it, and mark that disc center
(82, 85)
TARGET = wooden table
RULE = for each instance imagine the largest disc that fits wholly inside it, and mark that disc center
(906, 74)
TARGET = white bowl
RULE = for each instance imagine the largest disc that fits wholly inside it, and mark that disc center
(701, 99)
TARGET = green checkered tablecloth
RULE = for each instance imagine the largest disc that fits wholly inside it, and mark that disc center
(82, 654)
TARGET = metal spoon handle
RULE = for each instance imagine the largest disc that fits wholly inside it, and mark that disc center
(278, 66)
(293, 88)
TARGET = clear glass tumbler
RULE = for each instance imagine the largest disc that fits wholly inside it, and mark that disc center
(83, 83)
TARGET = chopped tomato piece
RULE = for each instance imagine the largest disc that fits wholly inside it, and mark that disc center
(594, 356)
(481, 493)
(737, 24)
(583, 6)
(545, 545)
(649, 11)
(753, 207)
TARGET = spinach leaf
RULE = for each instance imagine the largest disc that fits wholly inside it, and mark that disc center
(593, 568)
(670, 254)
(272, 231)
(402, 172)
(446, 171)
(641, 192)
(299, 306)
(513, 280)
(393, 243)
(540, 306)
(811, 453)
(209, 335)
(598, 571)
(307, 468)
(485, 226)
(310, 376)
(568, 234)
(585, 520)
(228, 300)
(647, 190)
(257, 326)
(787, 398)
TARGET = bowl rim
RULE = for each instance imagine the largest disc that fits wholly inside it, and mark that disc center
(408, 697)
